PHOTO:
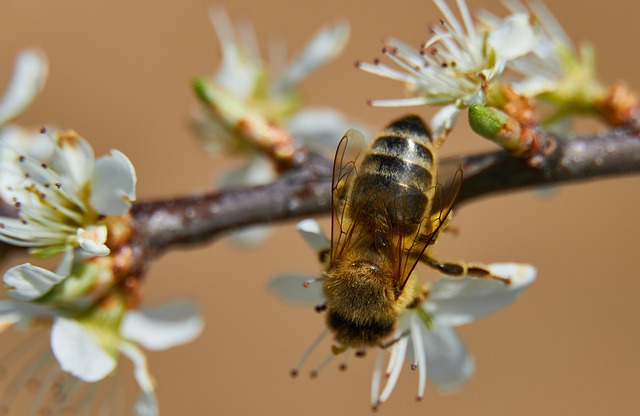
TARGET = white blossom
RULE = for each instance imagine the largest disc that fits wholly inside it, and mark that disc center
(248, 87)
(88, 346)
(27, 282)
(425, 336)
(456, 65)
(247, 90)
(28, 79)
(247, 78)
(432, 345)
(60, 202)
(29, 75)
(554, 60)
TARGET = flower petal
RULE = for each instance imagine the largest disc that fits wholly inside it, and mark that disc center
(257, 171)
(147, 404)
(325, 46)
(311, 231)
(13, 312)
(92, 239)
(78, 351)
(26, 141)
(27, 282)
(16, 141)
(241, 64)
(535, 85)
(164, 326)
(113, 184)
(142, 374)
(67, 261)
(302, 290)
(29, 74)
(457, 301)
(449, 364)
(514, 37)
(73, 160)
(443, 121)
(394, 367)
(250, 236)
(321, 128)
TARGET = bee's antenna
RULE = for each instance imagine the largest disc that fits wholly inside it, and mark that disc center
(296, 370)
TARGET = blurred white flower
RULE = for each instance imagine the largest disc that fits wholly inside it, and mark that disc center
(60, 202)
(554, 66)
(243, 73)
(254, 102)
(456, 65)
(28, 79)
(29, 75)
(253, 106)
(87, 344)
(425, 337)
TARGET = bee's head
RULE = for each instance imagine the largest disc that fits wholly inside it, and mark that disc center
(356, 334)
(361, 302)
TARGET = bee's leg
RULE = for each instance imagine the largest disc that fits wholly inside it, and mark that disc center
(460, 269)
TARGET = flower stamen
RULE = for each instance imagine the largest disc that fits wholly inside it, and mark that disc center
(397, 358)
(316, 371)
(296, 370)
(420, 358)
(375, 379)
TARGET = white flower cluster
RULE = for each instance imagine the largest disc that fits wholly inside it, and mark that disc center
(462, 60)
(424, 337)
(58, 199)
(87, 346)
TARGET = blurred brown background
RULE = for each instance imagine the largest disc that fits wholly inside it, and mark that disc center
(120, 73)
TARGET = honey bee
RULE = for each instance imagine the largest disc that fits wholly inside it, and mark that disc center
(388, 206)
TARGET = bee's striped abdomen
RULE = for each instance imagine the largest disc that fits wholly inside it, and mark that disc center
(395, 177)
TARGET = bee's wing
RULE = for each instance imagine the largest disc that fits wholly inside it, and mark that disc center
(410, 247)
(348, 154)
(449, 182)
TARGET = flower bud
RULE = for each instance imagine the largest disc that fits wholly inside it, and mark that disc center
(496, 126)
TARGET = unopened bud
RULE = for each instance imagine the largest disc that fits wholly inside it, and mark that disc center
(496, 126)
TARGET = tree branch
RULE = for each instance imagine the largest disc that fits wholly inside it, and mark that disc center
(306, 191)
(575, 159)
